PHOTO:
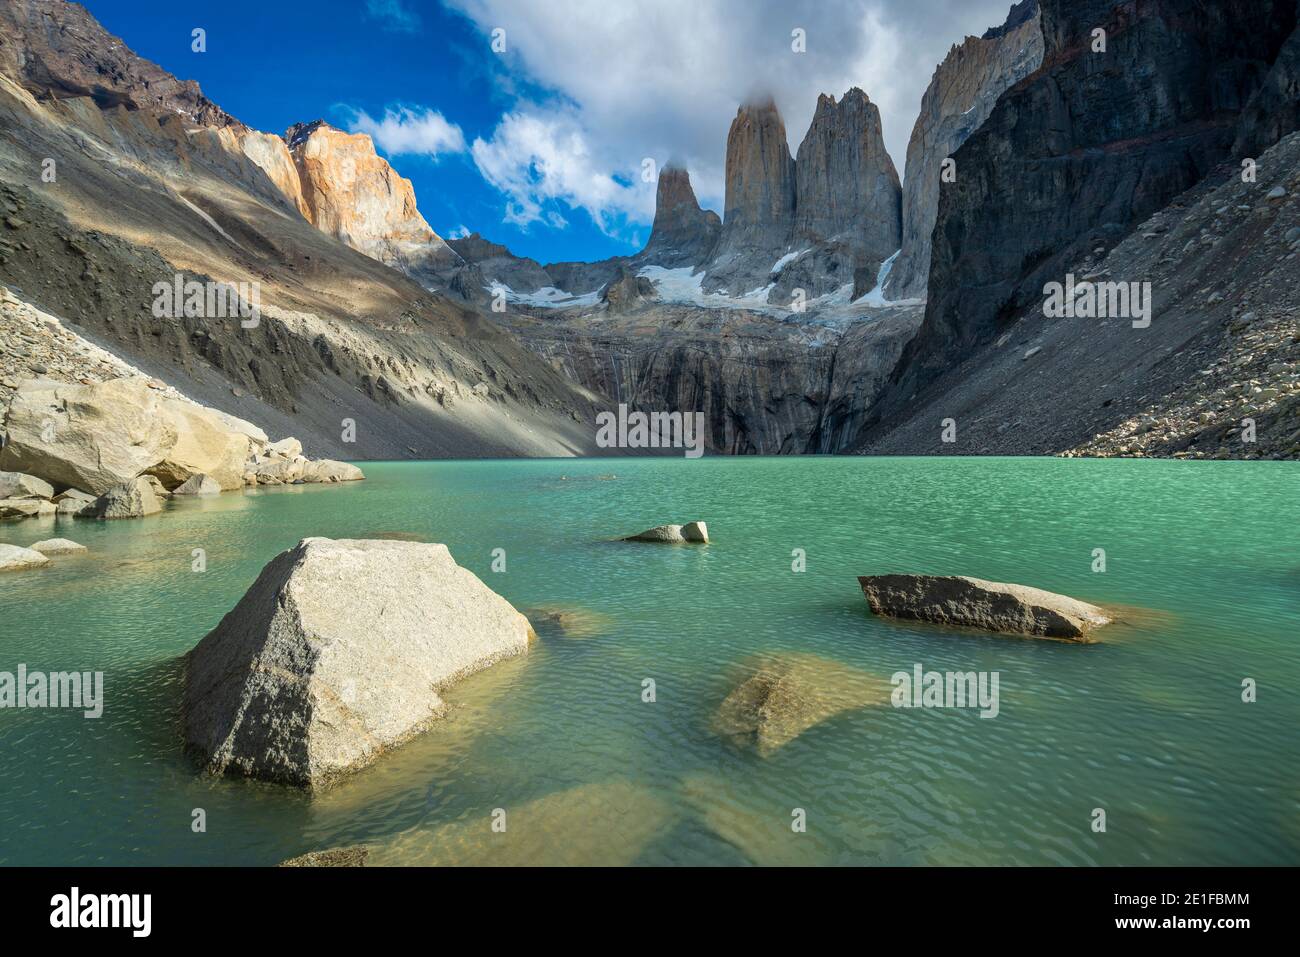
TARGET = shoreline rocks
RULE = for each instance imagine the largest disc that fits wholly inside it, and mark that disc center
(990, 606)
(673, 534)
(336, 654)
(85, 450)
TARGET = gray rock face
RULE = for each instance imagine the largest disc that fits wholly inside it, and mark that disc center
(847, 186)
(336, 654)
(1274, 111)
(627, 291)
(975, 603)
(13, 558)
(683, 234)
(959, 99)
(758, 218)
(1088, 146)
(133, 499)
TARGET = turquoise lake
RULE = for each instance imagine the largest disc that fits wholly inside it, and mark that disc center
(1149, 725)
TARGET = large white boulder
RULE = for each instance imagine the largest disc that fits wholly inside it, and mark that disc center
(93, 437)
(976, 603)
(336, 654)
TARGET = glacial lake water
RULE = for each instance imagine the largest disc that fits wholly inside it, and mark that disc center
(1148, 725)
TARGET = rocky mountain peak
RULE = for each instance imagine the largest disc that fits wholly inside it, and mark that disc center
(352, 193)
(683, 234)
(760, 181)
(758, 217)
(61, 51)
(846, 185)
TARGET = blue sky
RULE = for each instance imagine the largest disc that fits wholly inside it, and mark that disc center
(542, 145)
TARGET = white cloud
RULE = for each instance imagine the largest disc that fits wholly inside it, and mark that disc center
(405, 130)
(538, 157)
(457, 232)
(665, 78)
(394, 15)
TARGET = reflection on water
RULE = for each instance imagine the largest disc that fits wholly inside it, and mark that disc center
(770, 686)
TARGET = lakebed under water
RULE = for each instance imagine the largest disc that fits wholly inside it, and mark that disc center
(1149, 724)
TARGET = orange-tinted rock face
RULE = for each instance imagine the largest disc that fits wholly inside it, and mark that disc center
(350, 192)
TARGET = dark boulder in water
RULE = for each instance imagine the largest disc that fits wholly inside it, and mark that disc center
(976, 603)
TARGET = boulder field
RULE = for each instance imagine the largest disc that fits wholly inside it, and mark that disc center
(113, 449)
(990, 606)
(336, 654)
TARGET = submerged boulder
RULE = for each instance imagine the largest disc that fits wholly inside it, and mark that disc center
(336, 654)
(16, 558)
(975, 603)
(353, 855)
(690, 532)
(787, 694)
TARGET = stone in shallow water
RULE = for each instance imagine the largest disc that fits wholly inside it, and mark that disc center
(976, 603)
(605, 825)
(786, 694)
(336, 654)
(14, 558)
(57, 546)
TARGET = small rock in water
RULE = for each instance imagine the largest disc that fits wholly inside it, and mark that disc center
(690, 532)
(57, 546)
(1276, 193)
